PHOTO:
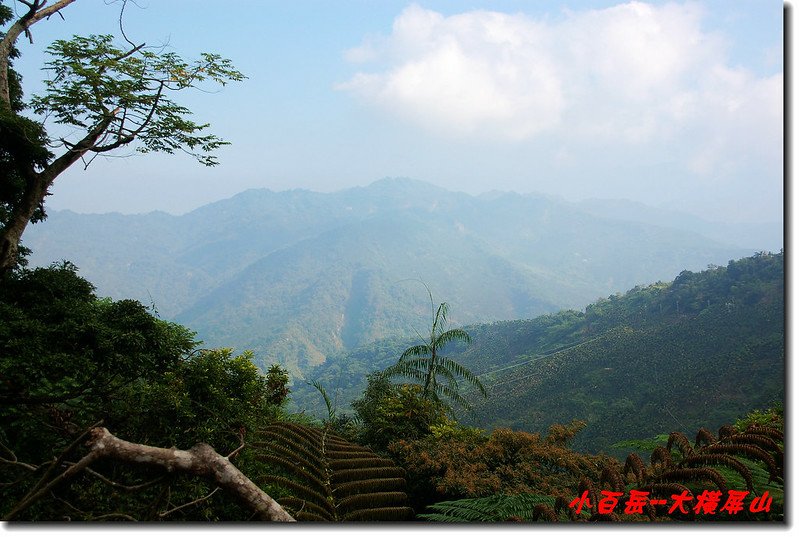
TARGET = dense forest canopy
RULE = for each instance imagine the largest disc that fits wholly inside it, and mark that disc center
(694, 352)
(110, 413)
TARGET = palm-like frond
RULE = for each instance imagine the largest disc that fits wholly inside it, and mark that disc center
(453, 366)
(455, 334)
(424, 364)
(416, 350)
(331, 478)
(498, 508)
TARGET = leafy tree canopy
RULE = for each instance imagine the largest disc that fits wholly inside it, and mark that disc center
(69, 360)
(108, 94)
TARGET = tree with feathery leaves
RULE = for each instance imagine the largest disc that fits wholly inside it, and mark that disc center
(437, 374)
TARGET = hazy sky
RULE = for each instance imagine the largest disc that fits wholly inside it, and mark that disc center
(676, 104)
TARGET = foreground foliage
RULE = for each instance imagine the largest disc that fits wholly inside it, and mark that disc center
(330, 479)
(456, 462)
(696, 352)
(69, 361)
(735, 476)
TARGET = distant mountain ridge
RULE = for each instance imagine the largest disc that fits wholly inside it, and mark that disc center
(299, 275)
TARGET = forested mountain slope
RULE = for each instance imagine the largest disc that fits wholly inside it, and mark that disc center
(698, 351)
(297, 276)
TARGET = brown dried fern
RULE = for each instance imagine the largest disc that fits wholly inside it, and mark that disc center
(634, 464)
(682, 443)
(752, 452)
(331, 478)
(703, 436)
(542, 511)
(716, 459)
(661, 458)
(696, 474)
(771, 432)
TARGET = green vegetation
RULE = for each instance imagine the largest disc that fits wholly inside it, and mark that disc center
(106, 95)
(70, 360)
(735, 477)
(330, 479)
(425, 364)
(708, 347)
(699, 351)
(299, 277)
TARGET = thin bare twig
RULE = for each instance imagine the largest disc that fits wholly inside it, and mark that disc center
(57, 462)
(193, 502)
(128, 488)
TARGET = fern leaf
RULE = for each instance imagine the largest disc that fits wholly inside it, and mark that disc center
(416, 350)
(372, 501)
(370, 462)
(301, 491)
(298, 505)
(467, 375)
(368, 486)
(384, 514)
(296, 471)
(721, 459)
(307, 516)
(359, 474)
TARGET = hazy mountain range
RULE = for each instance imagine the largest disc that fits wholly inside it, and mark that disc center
(700, 351)
(299, 275)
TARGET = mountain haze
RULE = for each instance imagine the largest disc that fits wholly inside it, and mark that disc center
(299, 275)
(699, 351)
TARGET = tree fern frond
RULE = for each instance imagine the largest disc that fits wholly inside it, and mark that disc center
(764, 430)
(455, 334)
(307, 516)
(401, 367)
(362, 480)
(300, 456)
(297, 437)
(497, 508)
(298, 505)
(296, 471)
(748, 451)
(696, 474)
(346, 449)
(331, 410)
(467, 375)
(368, 486)
(290, 449)
(301, 491)
(720, 459)
(453, 395)
(416, 350)
(359, 474)
(372, 501)
(406, 369)
(342, 464)
(383, 514)
(311, 434)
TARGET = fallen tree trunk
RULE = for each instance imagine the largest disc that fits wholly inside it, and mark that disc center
(201, 460)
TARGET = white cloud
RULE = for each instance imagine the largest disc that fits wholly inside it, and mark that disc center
(476, 73)
(634, 73)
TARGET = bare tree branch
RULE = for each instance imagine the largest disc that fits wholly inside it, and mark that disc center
(36, 12)
(127, 488)
(70, 472)
(201, 460)
(59, 460)
(189, 504)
